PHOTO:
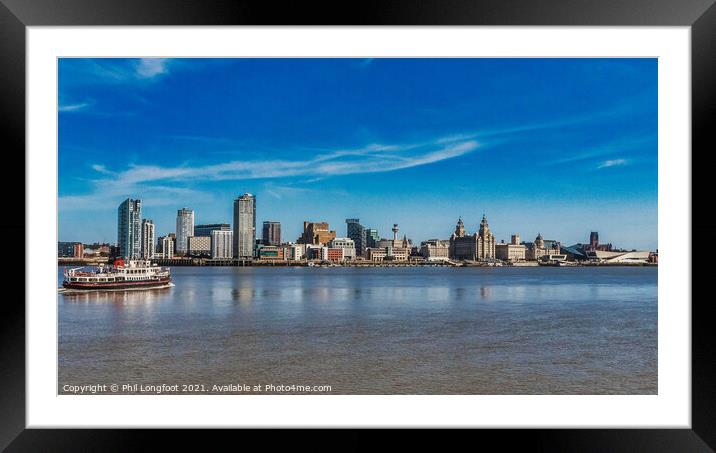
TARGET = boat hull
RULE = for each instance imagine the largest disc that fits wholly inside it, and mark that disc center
(116, 285)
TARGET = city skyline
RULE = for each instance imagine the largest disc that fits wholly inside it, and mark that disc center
(561, 147)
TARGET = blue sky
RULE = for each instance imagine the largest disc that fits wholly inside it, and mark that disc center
(557, 146)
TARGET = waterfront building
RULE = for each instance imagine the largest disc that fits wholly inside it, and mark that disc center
(129, 229)
(514, 251)
(295, 252)
(199, 245)
(316, 233)
(222, 244)
(348, 246)
(166, 247)
(357, 233)
(148, 239)
(316, 252)
(244, 226)
(387, 254)
(622, 257)
(541, 247)
(395, 242)
(70, 250)
(335, 254)
(271, 233)
(435, 249)
(551, 258)
(270, 252)
(206, 229)
(185, 228)
(371, 237)
(510, 252)
(574, 252)
(65, 249)
(476, 247)
(390, 249)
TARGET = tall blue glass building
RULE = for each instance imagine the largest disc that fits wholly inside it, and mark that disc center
(356, 231)
(129, 229)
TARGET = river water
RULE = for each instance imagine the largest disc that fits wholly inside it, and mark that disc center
(540, 330)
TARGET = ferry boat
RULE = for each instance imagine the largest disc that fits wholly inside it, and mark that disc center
(134, 274)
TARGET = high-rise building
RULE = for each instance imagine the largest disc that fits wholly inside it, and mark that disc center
(357, 232)
(371, 237)
(147, 249)
(129, 229)
(316, 233)
(205, 230)
(185, 228)
(244, 226)
(271, 233)
(515, 239)
(222, 244)
(166, 247)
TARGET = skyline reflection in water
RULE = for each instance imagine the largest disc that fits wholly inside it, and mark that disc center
(374, 330)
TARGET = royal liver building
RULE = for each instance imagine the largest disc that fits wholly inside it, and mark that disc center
(476, 247)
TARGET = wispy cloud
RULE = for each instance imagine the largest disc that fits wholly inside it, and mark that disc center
(107, 195)
(73, 107)
(152, 67)
(371, 159)
(602, 151)
(613, 163)
(101, 169)
(164, 182)
(281, 191)
(116, 71)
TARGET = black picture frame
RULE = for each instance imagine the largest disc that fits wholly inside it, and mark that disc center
(700, 15)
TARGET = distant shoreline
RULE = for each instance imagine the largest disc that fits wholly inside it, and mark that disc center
(226, 263)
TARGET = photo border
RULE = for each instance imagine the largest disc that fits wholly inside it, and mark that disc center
(16, 15)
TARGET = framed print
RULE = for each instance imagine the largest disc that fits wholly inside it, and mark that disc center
(431, 216)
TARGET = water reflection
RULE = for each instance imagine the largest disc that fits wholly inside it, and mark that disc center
(126, 297)
(374, 331)
(243, 295)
